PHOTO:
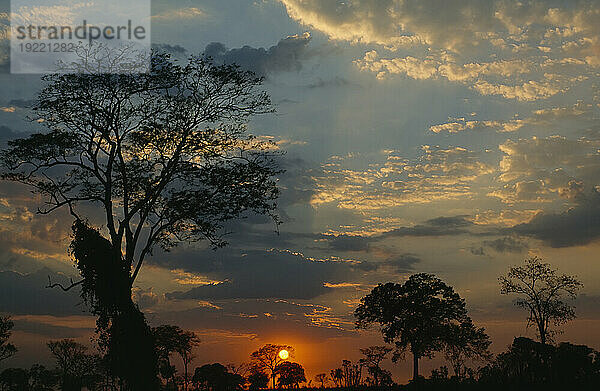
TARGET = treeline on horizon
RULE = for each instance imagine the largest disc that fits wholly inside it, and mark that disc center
(421, 317)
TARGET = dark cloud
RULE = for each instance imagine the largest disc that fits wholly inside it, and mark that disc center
(403, 263)
(287, 55)
(23, 103)
(260, 274)
(174, 50)
(335, 82)
(6, 134)
(297, 183)
(347, 242)
(49, 330)
(477, 251)
(440, 226)
(506, 244)
(277, 274)
(27, 294)
(577, 226)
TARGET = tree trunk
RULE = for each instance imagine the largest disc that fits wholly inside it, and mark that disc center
(415, 367)
(543, 335)
(185, 378)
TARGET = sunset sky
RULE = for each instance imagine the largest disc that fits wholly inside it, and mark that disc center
(456, 138)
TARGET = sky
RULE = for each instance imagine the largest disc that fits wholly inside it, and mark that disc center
(455, 138)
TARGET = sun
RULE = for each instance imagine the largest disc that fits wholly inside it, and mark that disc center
(284, 354)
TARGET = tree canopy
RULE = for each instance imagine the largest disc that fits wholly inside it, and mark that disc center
(7, 349)
(291, 374)
(419, 315)
(164, 154)
(267, 358)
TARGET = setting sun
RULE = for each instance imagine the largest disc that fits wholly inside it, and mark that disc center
(284, 354)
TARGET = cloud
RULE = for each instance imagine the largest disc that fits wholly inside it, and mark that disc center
(410, 66)
(21, 103)
(436, 174)
(394, 22)
(180, 14)
(347, 242)
(528, 91)
(475, 75)
(506, 244)
(263, 319)
(72, 326)
(461, 125)
(527, 51)
(335, 82)
(260, 274)
(440, 226)
(175, 50)
(287, 55)
(576, 226)
(542, 117)
(540, 169)
(403, 263)
(145, 298)
(27, 294)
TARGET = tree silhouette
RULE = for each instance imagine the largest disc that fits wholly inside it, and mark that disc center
(166, 340)
(216, 377)
(71, 360)
(267, 358)
(163, 154)
(467, 342)
(15, 379)
(291, 374)
(7, 349)
(172, 339)
(257, 379)
(186, 341)
(348, 375)
(373, 356)
(124, 334)
(41, 379)
(337, 376)
(321, 378)
(542, 292)
(529, 363)
(419, 315)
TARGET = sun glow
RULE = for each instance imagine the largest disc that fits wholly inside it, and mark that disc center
(284, 354)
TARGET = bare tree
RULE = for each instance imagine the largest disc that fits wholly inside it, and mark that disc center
(543, 293)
